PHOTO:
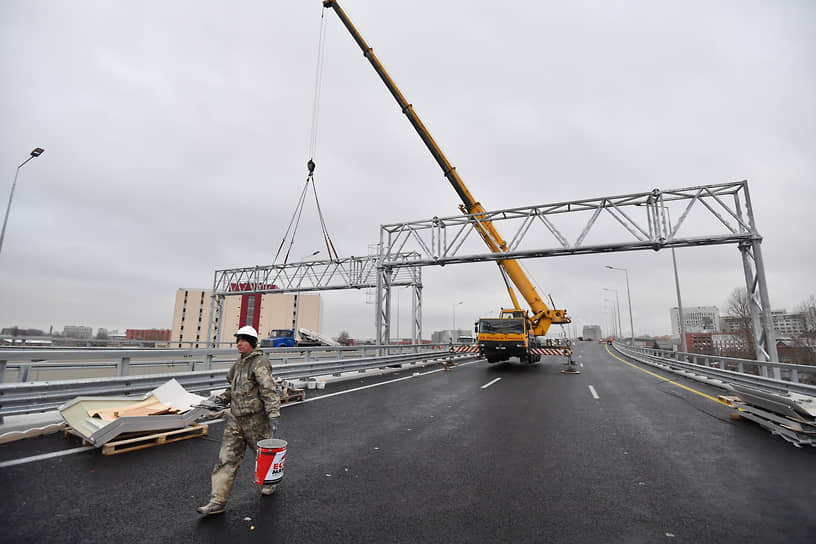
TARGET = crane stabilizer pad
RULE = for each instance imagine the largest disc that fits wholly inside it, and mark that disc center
(572, 368)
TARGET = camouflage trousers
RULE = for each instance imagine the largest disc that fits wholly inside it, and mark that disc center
(241, 432)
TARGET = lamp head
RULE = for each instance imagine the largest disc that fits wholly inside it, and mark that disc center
(37, 152)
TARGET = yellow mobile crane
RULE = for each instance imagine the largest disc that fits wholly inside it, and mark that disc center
(514, 332)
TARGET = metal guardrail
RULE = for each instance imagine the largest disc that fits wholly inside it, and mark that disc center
(768, 375)
(32, 397)
(27, 363)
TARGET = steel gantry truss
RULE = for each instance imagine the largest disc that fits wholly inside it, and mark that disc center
(318, 275)
(708, 215)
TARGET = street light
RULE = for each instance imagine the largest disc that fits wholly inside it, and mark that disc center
(617, 305)
(35, 153)
(629, 296)
(682, 327)
(454, 315)
(613, 308)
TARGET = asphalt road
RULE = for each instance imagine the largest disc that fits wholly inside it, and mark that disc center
(503, 453)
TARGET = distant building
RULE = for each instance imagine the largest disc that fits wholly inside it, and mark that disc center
(726, 343)
(699, 342)
(731, 323)
(77, 331)
(696, 319)
(591, 332)
(443, 337)
(784, 324)
(191, 315)
(147, 334)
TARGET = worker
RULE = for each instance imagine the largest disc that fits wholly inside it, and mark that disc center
(253, 415)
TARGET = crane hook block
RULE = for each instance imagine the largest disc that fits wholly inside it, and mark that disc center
(311, 166)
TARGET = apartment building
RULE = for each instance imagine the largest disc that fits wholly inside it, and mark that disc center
(265, 312)
(696, 319)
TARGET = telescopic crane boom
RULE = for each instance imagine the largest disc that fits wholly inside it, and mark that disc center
(542, 315)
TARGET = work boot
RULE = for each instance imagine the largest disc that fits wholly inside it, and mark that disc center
(268, 489)
(211, 508)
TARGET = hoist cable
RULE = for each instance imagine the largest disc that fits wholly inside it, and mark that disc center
(296, 213)
(321, 48)
(294, 222)
(297, 222)
(326, 237)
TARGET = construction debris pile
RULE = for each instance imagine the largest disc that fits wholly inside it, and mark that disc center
(790, 415)
(169, 407)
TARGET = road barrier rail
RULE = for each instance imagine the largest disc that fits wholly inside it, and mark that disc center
(23, 365)
(40, 396)
(768, 375)
(770, 394)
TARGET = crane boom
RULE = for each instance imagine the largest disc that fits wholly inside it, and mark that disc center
(542, 316)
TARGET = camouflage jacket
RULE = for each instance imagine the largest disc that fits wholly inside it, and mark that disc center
(252, 387)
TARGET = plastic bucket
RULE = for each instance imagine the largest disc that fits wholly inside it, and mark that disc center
(269, 460)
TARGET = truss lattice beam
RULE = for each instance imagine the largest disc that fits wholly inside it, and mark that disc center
(643, 220)
(322, 275)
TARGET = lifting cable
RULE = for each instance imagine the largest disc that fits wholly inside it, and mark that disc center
(294, 222)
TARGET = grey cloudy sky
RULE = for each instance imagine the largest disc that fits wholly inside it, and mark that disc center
(176, 136)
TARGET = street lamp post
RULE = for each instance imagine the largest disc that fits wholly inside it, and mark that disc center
(35, 153)
(614, 312)
(617, 307)
(681, 327)
(629, 296)
(454, 316)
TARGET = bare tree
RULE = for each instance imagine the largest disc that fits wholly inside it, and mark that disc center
(739, 306)
(808, 311)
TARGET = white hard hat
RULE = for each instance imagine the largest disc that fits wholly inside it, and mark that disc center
(247, 331)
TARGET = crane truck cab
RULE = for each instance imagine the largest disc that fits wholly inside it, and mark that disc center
(508, 335)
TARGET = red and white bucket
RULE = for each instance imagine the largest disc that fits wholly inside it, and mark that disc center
(269, 460)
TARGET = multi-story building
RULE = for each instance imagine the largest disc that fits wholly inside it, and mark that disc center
(695, 319)
(191, 315)
(731, 323)
(591, 332)
(699, 342)
(77, 331)
(790, 325)
(726, 343)
(441, 337)
(784, 324)
(147, 334)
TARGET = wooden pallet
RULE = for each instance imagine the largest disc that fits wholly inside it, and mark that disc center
(155, 439)
(292, 395)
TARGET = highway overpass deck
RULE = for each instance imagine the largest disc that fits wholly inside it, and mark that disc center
(483, 452)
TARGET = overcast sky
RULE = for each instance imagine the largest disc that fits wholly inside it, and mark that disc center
(176, 137)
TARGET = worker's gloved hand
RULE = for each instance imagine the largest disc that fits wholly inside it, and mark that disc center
(214, 403)
(273, 425)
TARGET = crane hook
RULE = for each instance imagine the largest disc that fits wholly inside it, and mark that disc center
(311, 166)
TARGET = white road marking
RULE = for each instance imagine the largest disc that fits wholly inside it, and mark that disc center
(594, 393)
(43, 456)
(488, 384)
